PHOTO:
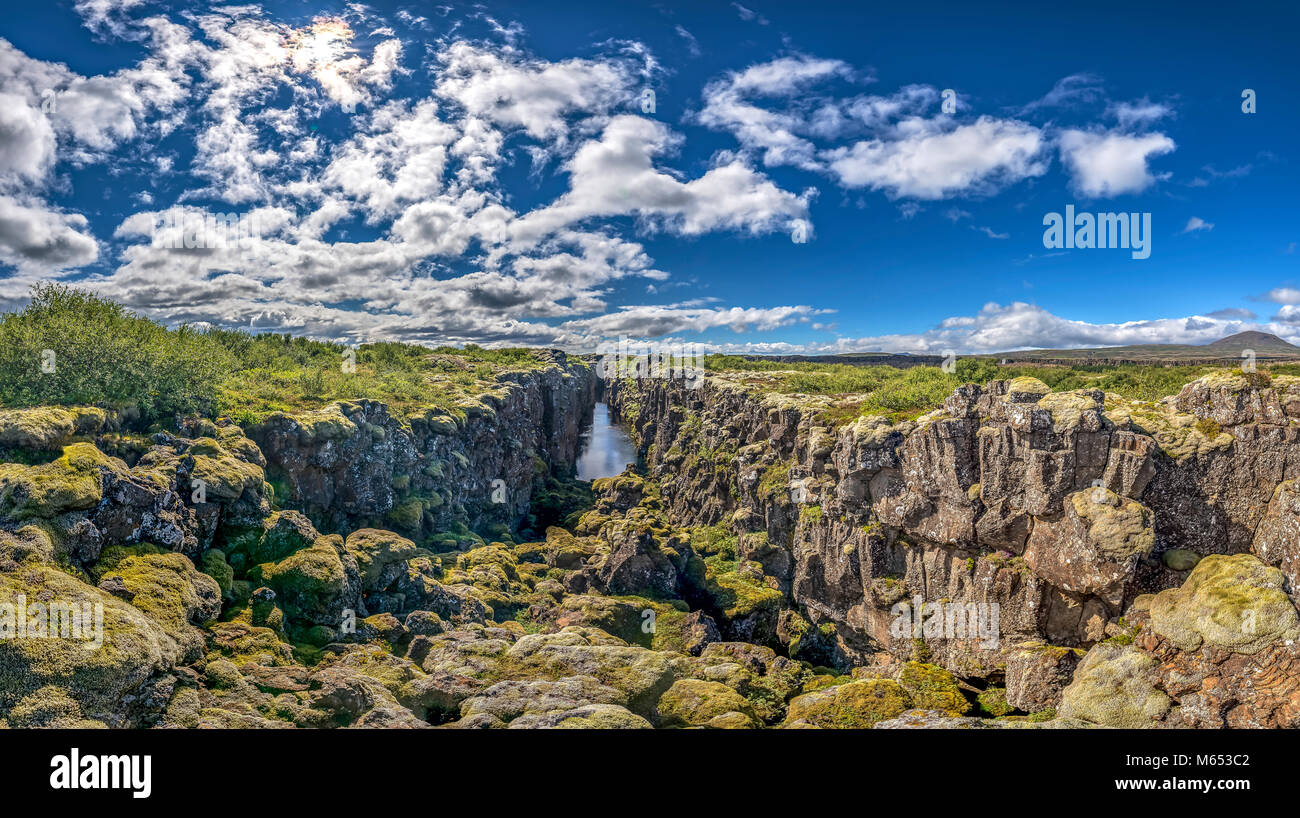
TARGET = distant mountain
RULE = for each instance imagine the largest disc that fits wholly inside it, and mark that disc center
(1265, 345)
(1261, 342)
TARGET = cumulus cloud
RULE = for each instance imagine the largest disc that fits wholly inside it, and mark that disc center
(934, 161)
(34, 236)
(615, 175)
(1197, 223)
(1004, 328)
(1283, 295)
(540, 97)
(774, 134)
(1108, 163)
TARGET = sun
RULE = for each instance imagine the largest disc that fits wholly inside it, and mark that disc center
(323, 50)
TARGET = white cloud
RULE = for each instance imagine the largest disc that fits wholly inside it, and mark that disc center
(772, 133)
(510, 91)
(1004, 328)
(27, 142)
(1139, 112)
(655, 321)
(1108, 163)
(931, 161)
(615, 175)
(1197, 223)
(1283, 295)
(34, 237)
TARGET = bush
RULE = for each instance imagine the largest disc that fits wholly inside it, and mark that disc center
(100, 354)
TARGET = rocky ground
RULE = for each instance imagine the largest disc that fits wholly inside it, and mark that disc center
(352, 566)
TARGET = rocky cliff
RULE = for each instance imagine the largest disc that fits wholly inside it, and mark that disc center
(434, 471)
(784, 562)
(1061, 508)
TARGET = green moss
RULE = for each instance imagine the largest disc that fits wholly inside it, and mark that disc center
(933, 688)
(213, 563)
(1208, 427)
(775, 481)
(70, 483)
(377, 552)
(993, 702)
(407, 515)
(853, 705)
(1113, 686)
(738, 593)
(225, 475)
(243, 643)
(310, 581)
(1232, 603)
(1043, 715)
(691, 702)
(173, 593)
(134, 648)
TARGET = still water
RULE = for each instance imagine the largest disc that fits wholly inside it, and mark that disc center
(606, 449)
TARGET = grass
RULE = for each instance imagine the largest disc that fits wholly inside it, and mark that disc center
(905, 393)
(287, 374)
(71, 347)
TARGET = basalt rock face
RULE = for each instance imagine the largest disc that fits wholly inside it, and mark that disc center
(356, 464)
(1221, 651)
(1058, 507)
(178, 491)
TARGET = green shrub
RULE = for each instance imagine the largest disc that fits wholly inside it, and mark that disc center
(102, 354)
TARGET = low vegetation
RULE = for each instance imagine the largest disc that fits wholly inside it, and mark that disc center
(907, 392)
(72, 347)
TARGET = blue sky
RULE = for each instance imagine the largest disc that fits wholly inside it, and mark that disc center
(493, 173)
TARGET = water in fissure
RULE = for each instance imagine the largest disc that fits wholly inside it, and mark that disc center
(606, 448)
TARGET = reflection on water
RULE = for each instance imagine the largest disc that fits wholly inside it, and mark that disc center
(606, 449)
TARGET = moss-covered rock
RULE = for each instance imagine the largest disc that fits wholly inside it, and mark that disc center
(49, 427)
(933, 688)
(173, 593)
(1113, 686)
(317, 584)
(1233, 603)
(641, 674)
(381, 556)
(244, 643)
(853, 705)
(587, 717)
(509, 700)
(694, 703)
(614, 616)
(214, 564)
(110, 683)
(72, 482)
(226, 475)
(282, 533)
